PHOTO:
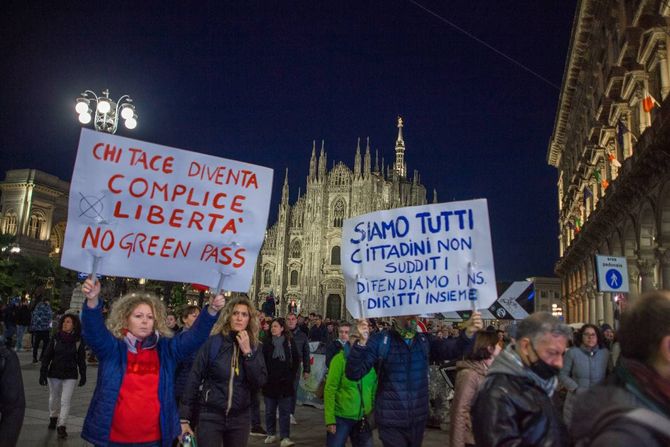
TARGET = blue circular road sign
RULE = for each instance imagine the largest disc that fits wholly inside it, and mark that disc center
(613, 278)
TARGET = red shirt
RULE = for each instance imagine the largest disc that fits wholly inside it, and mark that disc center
(137, 412)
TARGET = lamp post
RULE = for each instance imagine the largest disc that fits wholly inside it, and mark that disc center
(105, 111)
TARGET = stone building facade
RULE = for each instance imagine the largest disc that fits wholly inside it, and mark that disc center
(300, 259)
(33, 208)
(611, 146)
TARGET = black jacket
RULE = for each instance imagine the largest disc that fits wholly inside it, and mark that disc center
(280, 374)
(62, 359)
(12, 398)
(302, 344)
(23, 316)
(318, 333)
(215, 376)
(512, 411)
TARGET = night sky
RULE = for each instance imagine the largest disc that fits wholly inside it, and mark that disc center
(257, 81)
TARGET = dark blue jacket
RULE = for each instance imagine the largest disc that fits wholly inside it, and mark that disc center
(113, 356)
(182, 372)
(402, 392)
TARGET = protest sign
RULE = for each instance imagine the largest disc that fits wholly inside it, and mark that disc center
(150, 211)
(421, 259)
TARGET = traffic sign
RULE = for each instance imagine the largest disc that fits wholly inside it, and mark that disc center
(612, 274)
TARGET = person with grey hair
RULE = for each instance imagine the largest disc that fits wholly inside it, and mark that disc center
(513, 406)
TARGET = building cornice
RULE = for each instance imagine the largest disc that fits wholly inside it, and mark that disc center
(580, 36)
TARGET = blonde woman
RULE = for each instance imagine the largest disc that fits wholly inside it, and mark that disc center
(228, 367)
(133, 402)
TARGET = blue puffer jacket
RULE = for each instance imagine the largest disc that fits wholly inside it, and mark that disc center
(113, 355)
(402, 393)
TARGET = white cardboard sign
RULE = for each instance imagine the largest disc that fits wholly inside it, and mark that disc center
(152, 211)
(422, 259)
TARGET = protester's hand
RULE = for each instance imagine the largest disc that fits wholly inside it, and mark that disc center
(243, 342)
(186, 428)
(305, 375)
(474, 324)
(82, 381)
(91, 291)
(332, 428)
(216, 303)
(43, 380)
(364, 331)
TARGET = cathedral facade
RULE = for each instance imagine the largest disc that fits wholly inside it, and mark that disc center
(300, 260)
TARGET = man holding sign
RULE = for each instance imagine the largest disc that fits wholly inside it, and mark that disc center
(404, 262)
(401, 355)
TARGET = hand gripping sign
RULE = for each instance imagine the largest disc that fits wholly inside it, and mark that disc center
(142, 210)
(421, 259)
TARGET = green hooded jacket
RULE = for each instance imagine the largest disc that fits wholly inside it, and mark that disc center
(342, 397)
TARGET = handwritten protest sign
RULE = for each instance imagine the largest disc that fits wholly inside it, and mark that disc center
(151, 211)
(420, 259)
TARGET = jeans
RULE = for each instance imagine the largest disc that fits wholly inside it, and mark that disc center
(20, 332)
(284, 404)
(255, 408)
(38, 336)
(348, 428)
(233, 430)
(402, 437)
(60, 395)
(10, 330)
(296, 382)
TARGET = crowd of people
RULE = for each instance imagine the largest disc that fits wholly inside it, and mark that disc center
(166, 376)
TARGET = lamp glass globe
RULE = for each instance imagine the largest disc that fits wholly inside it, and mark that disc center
(85, 118)
(127, 112)
(103, 106)
(131, 123)
(81, 107)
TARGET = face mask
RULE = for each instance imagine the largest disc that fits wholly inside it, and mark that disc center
(542, 368)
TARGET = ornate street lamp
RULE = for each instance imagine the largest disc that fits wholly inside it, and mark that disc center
(105, 111)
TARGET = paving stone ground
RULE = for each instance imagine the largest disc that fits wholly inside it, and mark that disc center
(310, 430)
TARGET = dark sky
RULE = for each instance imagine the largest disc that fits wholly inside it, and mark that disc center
(259, 80)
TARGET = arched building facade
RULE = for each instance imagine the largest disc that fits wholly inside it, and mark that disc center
(611, 146)
(33, 208)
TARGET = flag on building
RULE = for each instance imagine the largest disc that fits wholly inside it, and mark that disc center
(648, 102)
(587, 193)
(613, 160)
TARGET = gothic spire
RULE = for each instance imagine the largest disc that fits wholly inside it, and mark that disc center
(366, 160)
(284, 191)
(399, 166)
(376, 160)
(323, 162)
(434, 195)
(312, 162)
(357, 160)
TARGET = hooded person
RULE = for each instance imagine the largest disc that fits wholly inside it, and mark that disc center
(513, 405)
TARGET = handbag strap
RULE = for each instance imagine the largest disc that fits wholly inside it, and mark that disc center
(359, 385)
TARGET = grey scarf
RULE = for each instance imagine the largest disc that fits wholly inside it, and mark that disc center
(509, 362)
(278, 343)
